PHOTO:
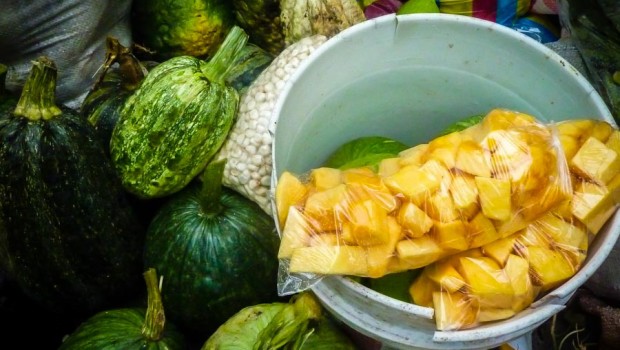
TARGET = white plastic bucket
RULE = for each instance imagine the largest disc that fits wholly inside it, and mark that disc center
(408, 77)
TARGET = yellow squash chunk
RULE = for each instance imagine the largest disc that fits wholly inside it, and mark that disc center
(563, 234)
(494, 314)
(517, 269)
(510, 157)
(472, 159)
(464, 194)
(501, 249)
(503, 119)
(570, 145)
(454, 311)
(413, 155)
(439, 171)
(418, 252)
(380, 194)
(440, 206)
(329, 260)
(487, 281)
(533, 236)
(613, 142)
(481, 231)
(601, 130)
(593, 205)
(421, 290)
(596, 161)
(451, 236)
(546, 198)
(296, 233)
(443, 149)
(511, 226)
(322, 239)
(412, 183)
(379, 256)
(325, 178)
(327, 207)
(550, 267)
(367, 224)
(563, 210)
(389, 166)
(289, 191)
(414, 220)
(445, 275)
(575, 128)
(494, 197)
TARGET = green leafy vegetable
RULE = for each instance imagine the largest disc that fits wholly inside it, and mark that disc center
(364, 151)
(462, 124)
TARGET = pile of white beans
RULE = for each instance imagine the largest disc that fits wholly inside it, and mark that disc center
(248, 146)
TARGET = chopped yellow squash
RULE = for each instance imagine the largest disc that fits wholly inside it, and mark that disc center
(413, 155)
(494, 197)
(472, 159)
(487, 281)
(296, 233)
(501, 249)
(330, 260)
(550, 267)
(325, 178)
(445, 275)
(596, 161)
(412, 183)
(379, 256)
(454, 311)
(517, 270)
(414, 220)
(451, 236)
(593, 205)
(421, 290)
(327, 208)
(367, 224)
(418, 252)
(481, 231)
(389, 166)
(289, 191)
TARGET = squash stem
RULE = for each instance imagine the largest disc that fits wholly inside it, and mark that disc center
(216, 69)
(212, 186)
(155, 319)
(37, 100)
(132, 71)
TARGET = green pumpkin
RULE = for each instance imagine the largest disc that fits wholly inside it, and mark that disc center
(101, 107)
(181, 27)
(217, 251)
(129, 328)
(261, 19)
(248, 65)
(175, 121)
(69, 238)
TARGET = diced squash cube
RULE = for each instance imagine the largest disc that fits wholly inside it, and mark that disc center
(494, 197)
(563, 234)
(379, 255)
(419, 252)
(414, 220)
(413, 155)
(487, 281)
(389, 166)
(296, 233)
(325, 178)
(439, 171)
(502, 119)
(454, 311)
(481, 231)
(464, 194)
(379, 194)
(501, 249)
(601, 130)
(575, 128)
(412, 183)
(363, 176)
(289, 191)
(550, 267)
(494, 314)
(596, 162)
(322, 239)
(440, 206)
(445, 275)
(513, 225)
(421, 290)
(613, 142)
(327, 207)
(367, 224)
(517, 269)
(451, 236)
(510, 158)
(546, 198)
(330, 260)
(472, 159)
(533, 236)
(593, 205)
(443, 149)
(570, 145)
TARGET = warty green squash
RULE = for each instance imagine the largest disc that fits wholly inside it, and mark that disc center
(175, 121)
(129, 328)
(216, 250)
(70, 240)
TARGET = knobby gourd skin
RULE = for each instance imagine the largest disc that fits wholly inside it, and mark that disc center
(69, 238)
(177, 119)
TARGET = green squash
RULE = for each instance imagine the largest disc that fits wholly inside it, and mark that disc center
(68, 236)
(261, 20)
(175, 121)
(248, 65)
(181, 27)
(217, 251)
(129, 328)
(101, 107)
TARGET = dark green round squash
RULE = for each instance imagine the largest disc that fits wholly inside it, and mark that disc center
(129, 328)
(217, 253)
(69, 238)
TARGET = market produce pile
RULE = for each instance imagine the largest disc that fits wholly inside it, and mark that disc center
(160, 172)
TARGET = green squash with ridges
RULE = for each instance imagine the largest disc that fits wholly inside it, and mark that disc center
(175, 121)
(70, 240)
